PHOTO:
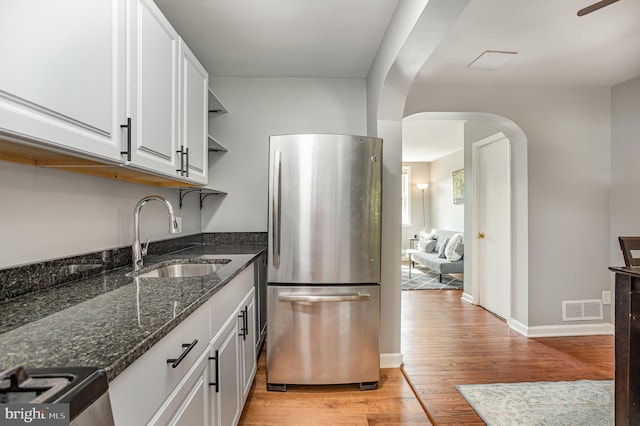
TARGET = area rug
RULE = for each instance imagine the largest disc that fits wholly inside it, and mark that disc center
(423, 278)
(584, 402)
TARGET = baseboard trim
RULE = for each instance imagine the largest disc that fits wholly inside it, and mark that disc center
(518, 326)
(391, 360)
(562, 330)
(466, 297)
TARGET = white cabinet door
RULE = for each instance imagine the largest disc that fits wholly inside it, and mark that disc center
(194, 410)
(246, 340)
(153, 92)
(188, 404)
(194, 90)
(225, 395)
(142, 388)
(62, 78)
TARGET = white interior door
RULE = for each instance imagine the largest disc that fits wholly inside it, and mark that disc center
(492, 248)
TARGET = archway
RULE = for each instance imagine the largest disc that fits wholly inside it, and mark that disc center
(479, 125)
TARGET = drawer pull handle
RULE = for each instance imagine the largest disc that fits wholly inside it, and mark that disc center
(217, 382)
(313, 298)
(176, 361)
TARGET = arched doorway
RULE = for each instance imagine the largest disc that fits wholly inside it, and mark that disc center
(479, 126)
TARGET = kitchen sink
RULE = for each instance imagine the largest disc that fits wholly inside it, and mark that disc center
(181, 268)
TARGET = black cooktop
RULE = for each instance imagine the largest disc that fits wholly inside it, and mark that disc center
(77, 386)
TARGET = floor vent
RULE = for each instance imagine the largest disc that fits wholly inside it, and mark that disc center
(581, 310)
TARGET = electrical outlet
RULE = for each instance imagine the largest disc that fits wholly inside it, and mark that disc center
(606, 297)
(179, 221)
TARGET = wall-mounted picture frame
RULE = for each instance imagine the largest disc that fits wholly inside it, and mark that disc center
(458, 186)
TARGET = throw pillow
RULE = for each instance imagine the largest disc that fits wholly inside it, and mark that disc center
(442, 248)
(426, 246)
(427, 236)
(451, 252)
(427, 242)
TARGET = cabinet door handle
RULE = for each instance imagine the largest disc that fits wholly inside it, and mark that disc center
(128, 126)
(243, 327)
(180, 152)
(246, 321)
(187, 167)
(215, 358)
(176, 361)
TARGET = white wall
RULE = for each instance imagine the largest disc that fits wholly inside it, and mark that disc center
(444, 214)
(49, 214)
(420, 173)
(625, 173)
(569, 169)
(416, 26)
(380, 78)
(259, 108)
(440, 212)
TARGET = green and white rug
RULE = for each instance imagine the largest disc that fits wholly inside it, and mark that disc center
(423, 278)
(580, 403)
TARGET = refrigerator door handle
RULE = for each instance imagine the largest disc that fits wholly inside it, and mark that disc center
(276, 208)
(313, 298)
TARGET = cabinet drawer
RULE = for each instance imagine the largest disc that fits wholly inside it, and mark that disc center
(139, 391)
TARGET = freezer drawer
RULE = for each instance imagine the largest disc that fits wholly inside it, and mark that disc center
(323, 335)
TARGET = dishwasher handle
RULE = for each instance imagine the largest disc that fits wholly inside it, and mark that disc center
(314, 298)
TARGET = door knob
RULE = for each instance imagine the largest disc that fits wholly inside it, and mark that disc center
(480, 234)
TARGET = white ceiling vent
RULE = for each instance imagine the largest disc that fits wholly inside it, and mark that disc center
(581, 310)
(490, 60)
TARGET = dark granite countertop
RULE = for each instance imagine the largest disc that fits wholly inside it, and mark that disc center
(109, 320)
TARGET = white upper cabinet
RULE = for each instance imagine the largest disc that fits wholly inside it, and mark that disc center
(107, 80)
(194, 123)
(153, 92)
(62, 77)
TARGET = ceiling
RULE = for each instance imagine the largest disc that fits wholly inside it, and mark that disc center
(555, 47)
(444, 137)
(282, 38)
(339, 39)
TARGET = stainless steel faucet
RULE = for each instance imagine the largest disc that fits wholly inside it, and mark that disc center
(137, 250)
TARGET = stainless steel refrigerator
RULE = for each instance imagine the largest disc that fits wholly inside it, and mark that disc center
(323, 313)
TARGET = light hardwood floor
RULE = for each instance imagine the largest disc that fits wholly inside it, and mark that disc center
(445, 342)
(393, 403)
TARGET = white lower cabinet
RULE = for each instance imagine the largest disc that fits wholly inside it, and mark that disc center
(246, 340)
(143, 387)
(233, 347)
(189, 402)
(211, 383)
(225, 395)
